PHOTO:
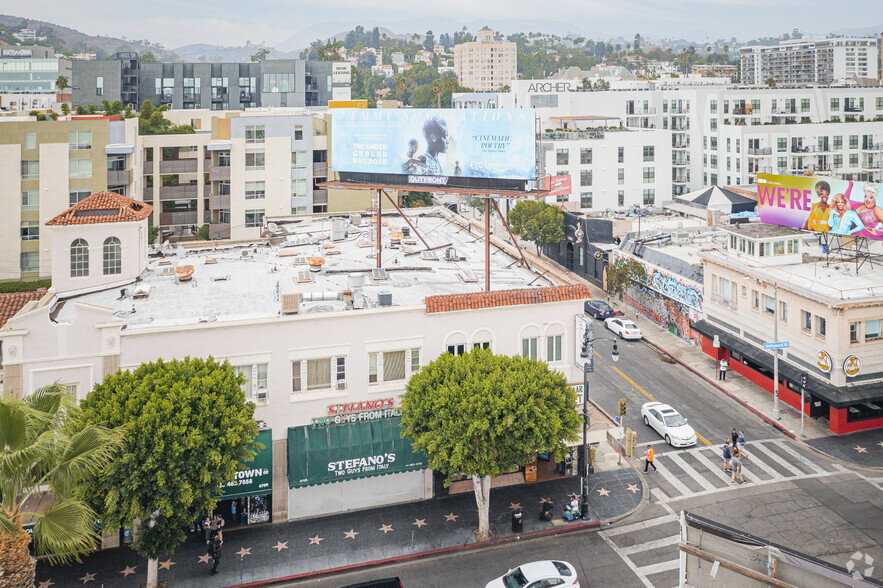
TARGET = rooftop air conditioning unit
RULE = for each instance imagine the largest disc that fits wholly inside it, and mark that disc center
(341, 384)
(680, 237)
(290, 302)
(451, 254)
(262, 394)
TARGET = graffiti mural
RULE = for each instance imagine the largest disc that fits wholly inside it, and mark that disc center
(670, 314)
(675, 288)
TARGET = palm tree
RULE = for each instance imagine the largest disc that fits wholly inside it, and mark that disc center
(40, 446)
(62, 83)
(438, 87)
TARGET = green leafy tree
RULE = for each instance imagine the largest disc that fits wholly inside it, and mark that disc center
(190, 425)
(623, 272)
(148, 57)
(39, 447)
(541, 223)
(771, 82)
(260, 55)
(479, 414)
(152, 122)
(203, 233)
(65, 109)
(152, 234)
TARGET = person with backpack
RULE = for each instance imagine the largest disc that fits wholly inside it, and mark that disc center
(741, 439)
(728, 455)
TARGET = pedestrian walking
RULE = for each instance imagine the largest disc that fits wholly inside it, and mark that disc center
(722, 369)
(215, 550)
(728, 455)
(734, 438)
(741, 439)
(738, 456)
(648, 459)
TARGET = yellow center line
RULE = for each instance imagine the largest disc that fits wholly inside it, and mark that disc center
(644, 392)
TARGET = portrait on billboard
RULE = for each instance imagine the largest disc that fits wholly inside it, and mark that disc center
(824, 205)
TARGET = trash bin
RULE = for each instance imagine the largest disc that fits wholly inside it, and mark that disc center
(546, 513)
(517, 520)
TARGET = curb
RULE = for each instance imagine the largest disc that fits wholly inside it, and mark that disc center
(772, 422)
(423, 554)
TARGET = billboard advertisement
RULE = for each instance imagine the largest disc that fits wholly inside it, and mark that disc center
(821, 204)
(557, 185)
(434, 146)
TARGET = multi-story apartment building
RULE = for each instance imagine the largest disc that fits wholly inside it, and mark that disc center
(610, 168)
(214, 86)
(28, 76)
(759, 289)
(810, 61)
(47, 166)
(700, 119)
(485, 64)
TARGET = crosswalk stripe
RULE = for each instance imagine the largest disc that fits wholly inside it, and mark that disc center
(775, 457)
(801, 459)
(717, 469)
(756, 461)
(655, 544)
(673, 480)
(639, 526)
(627, 561)
(681, 463)
(660, 567)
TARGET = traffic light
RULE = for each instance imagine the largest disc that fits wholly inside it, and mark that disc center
(592, 454)
(804, 378)
(622, 407)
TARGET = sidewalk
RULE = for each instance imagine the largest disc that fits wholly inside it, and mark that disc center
(265, 553)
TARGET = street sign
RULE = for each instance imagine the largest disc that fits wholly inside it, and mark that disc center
(779, 345)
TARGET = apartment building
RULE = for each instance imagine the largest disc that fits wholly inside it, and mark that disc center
(700, 119)
(47, 166)
(485, 64)
(810, 61)
(214, 86)
(609, 168)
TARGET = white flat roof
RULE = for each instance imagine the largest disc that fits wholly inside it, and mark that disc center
(245, 280)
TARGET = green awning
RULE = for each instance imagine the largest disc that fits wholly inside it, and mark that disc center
(322, 455)
(255, 477)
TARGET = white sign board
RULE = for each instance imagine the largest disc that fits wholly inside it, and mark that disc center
(341, 73)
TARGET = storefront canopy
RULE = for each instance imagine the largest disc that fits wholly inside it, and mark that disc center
(254, 477)
(322, 455)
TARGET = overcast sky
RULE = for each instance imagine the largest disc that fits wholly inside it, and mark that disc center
(174, 23)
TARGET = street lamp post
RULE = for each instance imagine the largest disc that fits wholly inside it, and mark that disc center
(588, 353)
(776, 356)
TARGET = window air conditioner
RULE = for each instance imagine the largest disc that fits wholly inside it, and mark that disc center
(262, 394)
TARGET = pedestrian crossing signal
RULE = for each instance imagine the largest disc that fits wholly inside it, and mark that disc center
(622, 407)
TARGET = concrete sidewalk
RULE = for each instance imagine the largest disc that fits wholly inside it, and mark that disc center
(264, 554)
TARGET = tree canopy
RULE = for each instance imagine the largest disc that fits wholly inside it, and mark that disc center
(152, 122)
(189, 425)
(541, 223)
(623, 272)
(480, 413)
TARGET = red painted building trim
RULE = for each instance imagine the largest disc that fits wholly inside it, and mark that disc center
(840, 426)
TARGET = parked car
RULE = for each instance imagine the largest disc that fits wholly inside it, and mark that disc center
(598, 309)
(623, 327)
(538, 574)
(384, 583)
(669, 423)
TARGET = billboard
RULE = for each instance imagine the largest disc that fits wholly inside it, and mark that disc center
(455, 148)
(821, 204)
(557, 185)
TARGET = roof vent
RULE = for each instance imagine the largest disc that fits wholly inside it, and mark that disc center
(429, 255)
(290, 302)
(384, 298)
(378, 274)
(355, 280)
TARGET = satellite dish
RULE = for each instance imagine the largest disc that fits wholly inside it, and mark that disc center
(273, 227)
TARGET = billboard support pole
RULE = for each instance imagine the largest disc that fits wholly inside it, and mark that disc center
(511, 236)
(379, 243)
(402, 214)
(487, 245)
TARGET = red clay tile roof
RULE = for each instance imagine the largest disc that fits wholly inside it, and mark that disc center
(12, 302)
(494, 298)
(103, 207)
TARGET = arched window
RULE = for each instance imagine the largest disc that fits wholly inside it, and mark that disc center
(79, 258)
(113, 256)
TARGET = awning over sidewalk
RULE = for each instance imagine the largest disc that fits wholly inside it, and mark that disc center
(322, 455)
(255, 477)
(838, 397)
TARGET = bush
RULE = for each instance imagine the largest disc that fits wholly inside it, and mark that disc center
(202, 234)
(6, 287)
(152, 233)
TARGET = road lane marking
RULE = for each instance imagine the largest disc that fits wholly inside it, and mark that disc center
(641, 525)
(751, 483)
(801, 459)
(717, 469)
(681, 463)
(660, 567)
(655, 544)
(772, 455)
(627, 561)
(754, 460)
(672, 479)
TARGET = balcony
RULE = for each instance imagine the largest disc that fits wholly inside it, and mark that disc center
(206, 190)
(762, 152)
(680, 181)
(320, 169)
(680, 162)
(147, 194)
(320, 196)
(219, 231)
(680, 146)
(179, 191)
(178, 166)
(121, 177)
(219, 202)
(852, 109)
(802, 149)
(189, 217)
(218, 173)
(148, 168)
(875, 147)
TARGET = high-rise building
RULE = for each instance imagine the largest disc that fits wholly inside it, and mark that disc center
(28, 78)
(485, 64)
(810, 61)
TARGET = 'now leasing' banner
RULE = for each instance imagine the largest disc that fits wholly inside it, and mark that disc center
(840, 207)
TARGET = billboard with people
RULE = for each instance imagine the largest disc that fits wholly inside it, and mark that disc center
(434, 146)
(821, 204)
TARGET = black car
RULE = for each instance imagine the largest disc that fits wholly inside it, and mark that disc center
(598, 309)
(384, 583)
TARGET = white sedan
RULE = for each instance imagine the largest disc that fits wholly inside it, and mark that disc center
(623, 327)
(538, 574)
(668, 423)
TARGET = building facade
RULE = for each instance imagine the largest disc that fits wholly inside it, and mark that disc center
(810, 61)
(28, 76)
(485, 64)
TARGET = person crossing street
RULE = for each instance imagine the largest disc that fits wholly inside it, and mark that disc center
(648, 459)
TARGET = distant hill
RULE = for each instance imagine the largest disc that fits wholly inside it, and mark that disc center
(218, 54)
(873, 31)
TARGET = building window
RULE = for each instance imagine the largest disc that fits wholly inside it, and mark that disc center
(585, 200)
(873, 329)
(75, 196)
(298, 159)
(562, 156)
(553, 348)
(649, 196)
(585, 156)
(298, 188)
(821, 326)
(835, 104)
(620, 156)
(649, 153)
(415, 361)
(29, 261)
(457, 349)
(113, 256)
(783, 311)
(79, 140)
(853, 141)
(585, 177)
(481, 345)
(30, 140)
(254, 159)
(620, 176)
(254, 134)
(318, 373)
(30, 170)
(649, 175)
(254, 218)
(254, 190)
(254, 380)
(620, 198)
(30, 199)
(804, 105)
(79, 259)
(755, 299)
(30, 230)
(769, 304)
(80, 168)
(298, 132)
(853, 332)
(529, 347)
(99, 86)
